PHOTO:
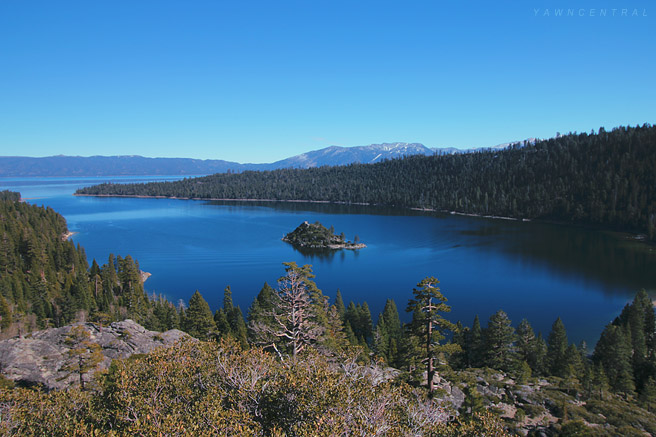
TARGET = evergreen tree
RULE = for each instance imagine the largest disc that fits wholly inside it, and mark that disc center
(227, 300)
(473, 402)
(461, 335)
(260, 312)
(540, 360)
(229, 320)
(556, 350)
(499, 342)
(366, 323)
(351, 318)
(613, 353)
(296, 322)
(599, 381)
(648, 395)
(238, 326)
(5, 314)
(428, 325)
(339, 304)
(335, 336)
(83, 355)
(222, 323)
(637, 321)
(388, 333)
(526, 343)
(223, 316)
(475, 345)
(199, 322)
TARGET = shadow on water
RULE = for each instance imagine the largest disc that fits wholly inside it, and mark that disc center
(323, 254)
(327, 208)
(611, 258)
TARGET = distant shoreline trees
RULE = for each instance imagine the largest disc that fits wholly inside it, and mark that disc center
(603, 179)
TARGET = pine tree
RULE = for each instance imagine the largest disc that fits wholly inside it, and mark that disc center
(260, 312)
(199, 321)
(335, 336)
(366, 323)
(556, 350)
(613, 352)
(499, 342)
(339, 304)
(637, 321)
(473, 402)
(5, 314)
(648, 395)
(223, 316)
(296, 322)
(84, 355)
(227, 300)
(428, 325)
(599, 380)
(222, 324)
(526, 343)
(238, 326)
(388, 333)
(475, 345)
(460, 337)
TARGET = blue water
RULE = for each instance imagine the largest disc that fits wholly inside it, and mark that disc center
(530, 270)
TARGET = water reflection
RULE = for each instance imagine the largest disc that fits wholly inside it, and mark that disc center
(612, 259)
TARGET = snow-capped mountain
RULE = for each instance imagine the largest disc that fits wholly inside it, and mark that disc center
(335, 155)
(139, 165)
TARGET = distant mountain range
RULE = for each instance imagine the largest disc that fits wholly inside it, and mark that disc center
(132, 165)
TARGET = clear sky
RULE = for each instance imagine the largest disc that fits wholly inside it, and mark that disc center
(258, 81)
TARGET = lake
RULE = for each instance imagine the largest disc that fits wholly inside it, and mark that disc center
(530, 270)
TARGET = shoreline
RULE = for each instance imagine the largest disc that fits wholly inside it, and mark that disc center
(134, 196)
(638, 237)
(68, 235)
(144, 276)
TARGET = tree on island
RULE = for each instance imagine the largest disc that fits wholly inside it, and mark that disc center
(317, 236)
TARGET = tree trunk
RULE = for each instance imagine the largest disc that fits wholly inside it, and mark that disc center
(429, 337)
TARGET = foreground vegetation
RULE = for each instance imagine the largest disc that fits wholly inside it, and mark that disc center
(604, 178)
(207, 388)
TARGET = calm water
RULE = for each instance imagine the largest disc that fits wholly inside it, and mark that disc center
(530, 270)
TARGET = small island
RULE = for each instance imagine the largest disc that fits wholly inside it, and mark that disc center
(317, 236)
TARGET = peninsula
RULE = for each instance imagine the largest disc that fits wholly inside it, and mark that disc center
(317, 236)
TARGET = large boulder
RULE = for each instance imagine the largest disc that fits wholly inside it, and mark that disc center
(40, 358)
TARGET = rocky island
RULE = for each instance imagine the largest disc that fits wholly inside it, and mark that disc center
(317, 236)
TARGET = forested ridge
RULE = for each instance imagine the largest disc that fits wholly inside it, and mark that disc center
(45, 280)
(604, 178)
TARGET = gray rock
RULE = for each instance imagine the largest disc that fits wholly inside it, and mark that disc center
(38, 358)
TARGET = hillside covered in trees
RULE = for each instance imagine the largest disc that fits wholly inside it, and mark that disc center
(604, 178)
(46, 280)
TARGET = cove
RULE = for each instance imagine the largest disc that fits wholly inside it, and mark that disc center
(531, 270)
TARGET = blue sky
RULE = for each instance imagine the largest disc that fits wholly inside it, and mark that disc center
(253, 81)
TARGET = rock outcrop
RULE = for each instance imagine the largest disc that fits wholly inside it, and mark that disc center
(40, 357)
